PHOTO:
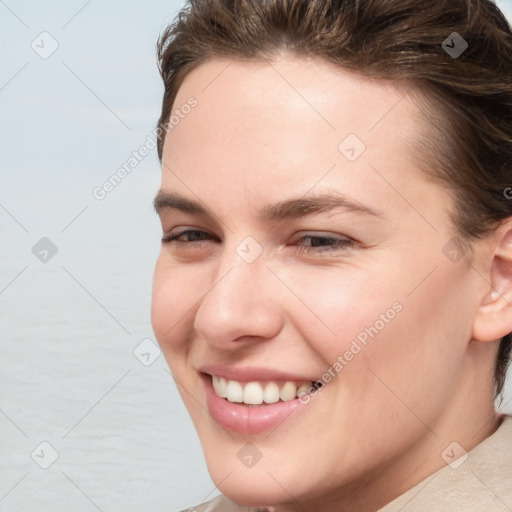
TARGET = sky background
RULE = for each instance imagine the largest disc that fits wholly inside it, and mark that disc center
(118, 437)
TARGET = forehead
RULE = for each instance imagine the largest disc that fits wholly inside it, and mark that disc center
(293, 124)
(304, 87)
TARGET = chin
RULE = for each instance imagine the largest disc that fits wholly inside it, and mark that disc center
(263, 485)
(252, 490)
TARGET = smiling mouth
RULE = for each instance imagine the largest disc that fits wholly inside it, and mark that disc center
(258, 393)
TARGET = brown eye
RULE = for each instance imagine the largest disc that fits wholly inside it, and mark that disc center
(318, 243)
(193, 235)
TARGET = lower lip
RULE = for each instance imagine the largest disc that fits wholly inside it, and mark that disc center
(247, 420)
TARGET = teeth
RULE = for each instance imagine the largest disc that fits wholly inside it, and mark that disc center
(302, 389)
(220, 385)
(234, 391)
(288, 391)
(255, 393)
(271, 393)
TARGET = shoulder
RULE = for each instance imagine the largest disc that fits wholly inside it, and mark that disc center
(221, 504)
(479, 481)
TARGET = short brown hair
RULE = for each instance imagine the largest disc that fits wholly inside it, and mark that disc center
(471, 93)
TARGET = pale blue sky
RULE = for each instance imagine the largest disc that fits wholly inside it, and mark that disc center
(55, 133)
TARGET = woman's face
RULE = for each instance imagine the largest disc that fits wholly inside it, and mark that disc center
(312, 248)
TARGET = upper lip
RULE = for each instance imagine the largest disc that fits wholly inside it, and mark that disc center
(250, 373)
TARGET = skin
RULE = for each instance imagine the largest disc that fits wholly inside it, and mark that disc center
(266, 132)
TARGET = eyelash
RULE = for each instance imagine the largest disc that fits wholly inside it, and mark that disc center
(337, 243)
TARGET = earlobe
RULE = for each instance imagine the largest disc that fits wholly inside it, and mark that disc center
(491, 297)
(494, 316)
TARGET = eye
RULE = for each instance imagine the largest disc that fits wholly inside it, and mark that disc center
(194, 235)
(324, 243)
(312, 242)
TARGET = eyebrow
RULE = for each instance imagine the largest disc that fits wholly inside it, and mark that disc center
(288, 209)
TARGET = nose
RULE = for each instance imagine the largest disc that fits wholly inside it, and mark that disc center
(242, 304)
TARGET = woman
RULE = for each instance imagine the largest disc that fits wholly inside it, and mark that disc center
(334, 286)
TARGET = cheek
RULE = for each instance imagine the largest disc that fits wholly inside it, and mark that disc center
(387, 337)
(172, 301)
(419, 357)
(338, 306)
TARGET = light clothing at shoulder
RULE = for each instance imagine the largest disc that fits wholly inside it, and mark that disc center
(223, 504)
(482, 483)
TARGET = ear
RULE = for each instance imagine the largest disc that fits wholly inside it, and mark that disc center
(494, 316)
